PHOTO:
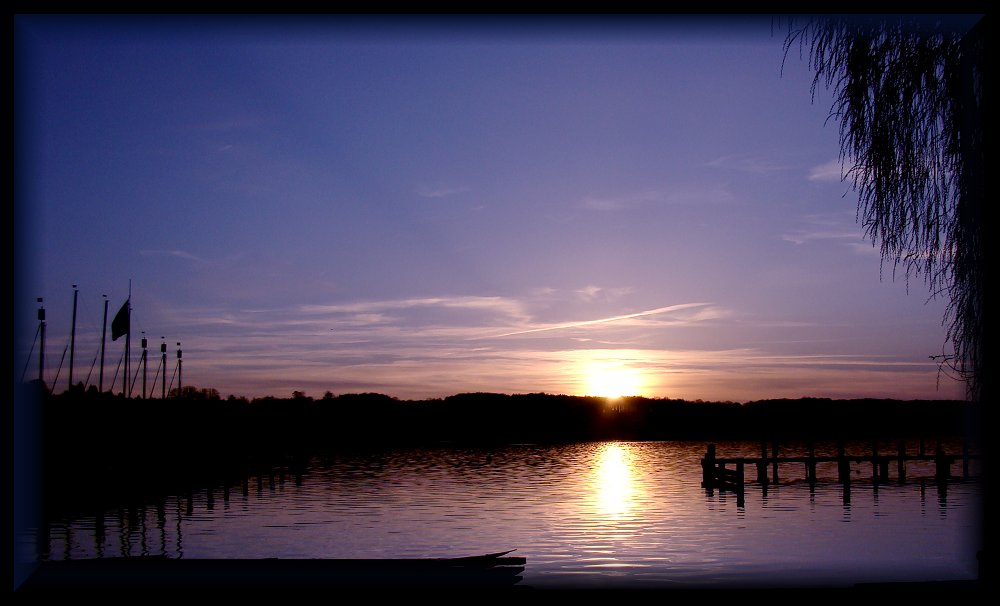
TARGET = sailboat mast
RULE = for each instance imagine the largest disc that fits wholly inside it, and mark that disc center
(72, 337)
(144, 366)
(104, 335)
(126, 388)
(180, 379)
(163, 365)
(41, 349)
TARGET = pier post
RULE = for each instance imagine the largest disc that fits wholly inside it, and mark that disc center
(774, 461)
(740, 496)
(762, 465)
(965, 458)
(942, 464)
(843, 465)
(942, 493)
(708, 466)
(100, 533)
(875, 474)
(901, 464)
(811, 465)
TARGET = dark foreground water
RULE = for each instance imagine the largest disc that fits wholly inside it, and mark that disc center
(596, 514)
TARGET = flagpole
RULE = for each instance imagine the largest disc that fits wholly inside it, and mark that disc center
(180, 383)
(72, 338)
(41, 349)
(163, 364)
(126, 388)
(104, 336)
(144, 365)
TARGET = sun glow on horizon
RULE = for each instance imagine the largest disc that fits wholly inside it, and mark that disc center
(613, 380)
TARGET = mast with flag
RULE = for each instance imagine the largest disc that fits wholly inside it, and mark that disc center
(122, 326)
(104, 336)
(72, 337)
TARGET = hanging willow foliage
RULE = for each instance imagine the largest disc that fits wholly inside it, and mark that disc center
(908, 93)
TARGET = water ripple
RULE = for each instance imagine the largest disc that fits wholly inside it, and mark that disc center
(595, 514)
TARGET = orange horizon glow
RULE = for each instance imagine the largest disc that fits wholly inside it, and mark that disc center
(614, 382)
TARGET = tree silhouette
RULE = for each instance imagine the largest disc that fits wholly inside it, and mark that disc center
(908, 92)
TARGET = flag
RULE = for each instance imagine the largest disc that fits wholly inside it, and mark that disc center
(119, 326)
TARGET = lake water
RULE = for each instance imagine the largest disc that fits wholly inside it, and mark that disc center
(596, 514)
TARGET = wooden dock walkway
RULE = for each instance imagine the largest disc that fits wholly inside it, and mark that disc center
(729, 473)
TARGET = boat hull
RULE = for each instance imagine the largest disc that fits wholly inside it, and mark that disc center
(155, 572)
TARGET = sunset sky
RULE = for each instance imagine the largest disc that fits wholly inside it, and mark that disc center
(427, 206)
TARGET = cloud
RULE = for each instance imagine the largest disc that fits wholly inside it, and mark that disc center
(173, 253)
(501, 305)
(801, 237)
(826, 226)
(865, 248)
(243, 122)
(599, 321)
(440, 192)
(672, 196)
(748, 164)
(370, 351)
(622, 202)
(831, 171)
(361, 320)
(591, 293)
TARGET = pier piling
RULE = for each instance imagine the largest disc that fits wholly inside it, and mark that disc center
(716, 472)
(843, 465)
(762, 464)
(901, 462)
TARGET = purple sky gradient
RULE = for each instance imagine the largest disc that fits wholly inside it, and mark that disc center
(423, 207)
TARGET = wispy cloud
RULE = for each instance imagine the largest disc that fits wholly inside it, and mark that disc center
(826, 226)
(440, 192)
(599, 321)
(622, 202)
(229, 124)
(747, 163)
(363, 319)
(667, 196)
(801, 237)
(180, 254)
(359, 348)
(592, 292)
(830, 171)
(865, 248)
(501, 305)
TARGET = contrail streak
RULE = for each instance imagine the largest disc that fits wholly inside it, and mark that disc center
(638, 314)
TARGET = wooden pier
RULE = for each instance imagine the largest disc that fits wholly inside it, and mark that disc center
(729, 473)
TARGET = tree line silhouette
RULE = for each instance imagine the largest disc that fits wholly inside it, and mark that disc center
(100, 446)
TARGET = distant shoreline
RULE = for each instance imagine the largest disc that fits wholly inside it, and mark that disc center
(101, 447)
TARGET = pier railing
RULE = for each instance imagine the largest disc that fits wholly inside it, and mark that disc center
(729, 473)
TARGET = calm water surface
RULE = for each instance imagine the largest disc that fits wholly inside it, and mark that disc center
(600, 514)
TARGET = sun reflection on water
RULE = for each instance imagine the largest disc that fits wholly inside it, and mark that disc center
(613, 481)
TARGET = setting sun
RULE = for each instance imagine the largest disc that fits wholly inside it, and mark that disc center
(613, 381)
